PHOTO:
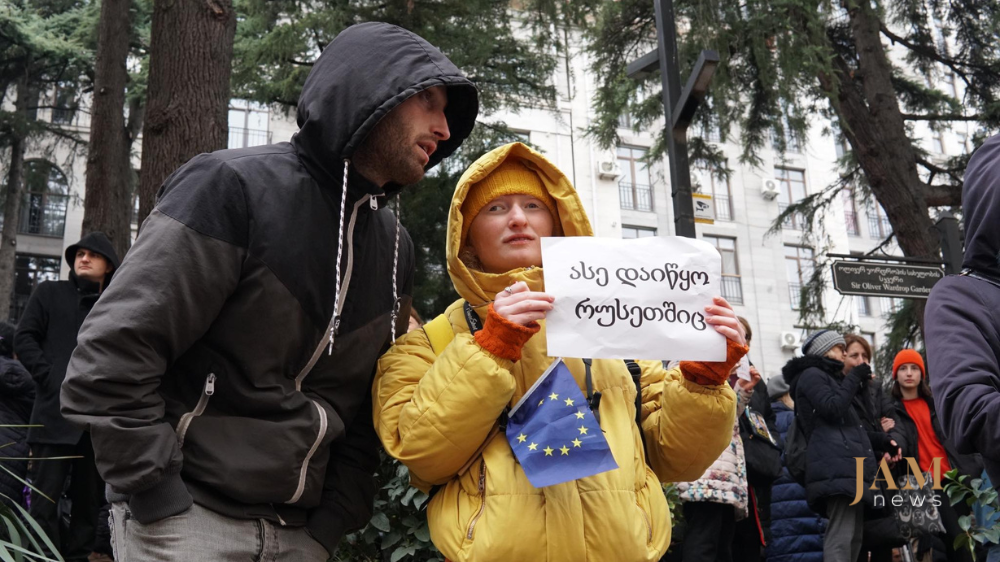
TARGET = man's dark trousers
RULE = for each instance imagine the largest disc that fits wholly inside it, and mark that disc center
(86, 492)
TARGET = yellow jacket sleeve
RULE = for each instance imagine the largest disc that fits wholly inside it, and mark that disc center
(687, 425)
(434, 413)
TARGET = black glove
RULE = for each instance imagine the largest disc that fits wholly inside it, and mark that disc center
(863, 372)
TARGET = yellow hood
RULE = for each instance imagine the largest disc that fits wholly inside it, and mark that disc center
(478, 287)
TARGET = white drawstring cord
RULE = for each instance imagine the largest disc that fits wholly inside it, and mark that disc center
(340, 253)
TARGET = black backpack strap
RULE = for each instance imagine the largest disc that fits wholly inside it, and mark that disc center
(636, 372)
(593, 398)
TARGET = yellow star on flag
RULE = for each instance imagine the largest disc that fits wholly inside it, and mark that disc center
(548, 451)
(564, 449)
(579, 415)
(553, 396)
(569, 401)
(533, 446)
(577, 442)
(542, 401)
(583, 430)
(521, 438)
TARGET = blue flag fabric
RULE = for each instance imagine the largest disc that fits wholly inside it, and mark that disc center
(553, 433)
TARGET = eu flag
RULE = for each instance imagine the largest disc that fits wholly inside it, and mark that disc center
(553, 433)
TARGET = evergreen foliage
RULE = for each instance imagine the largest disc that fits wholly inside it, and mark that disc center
(873, 69)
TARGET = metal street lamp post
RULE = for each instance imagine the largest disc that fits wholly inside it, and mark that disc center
(678, 107)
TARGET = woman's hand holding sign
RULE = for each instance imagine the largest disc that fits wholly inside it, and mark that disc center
(722, 317)
(512, 320)
(522, 306)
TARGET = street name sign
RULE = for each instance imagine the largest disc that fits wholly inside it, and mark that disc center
(885, 280)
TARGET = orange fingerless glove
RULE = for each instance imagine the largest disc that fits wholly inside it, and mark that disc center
(714, 373)
(503, 338)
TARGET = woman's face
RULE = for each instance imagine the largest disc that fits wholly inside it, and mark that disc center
(855, 356)
(507, 233)
(908, 376)
(836, 353)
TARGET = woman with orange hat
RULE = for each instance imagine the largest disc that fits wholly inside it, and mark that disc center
(926, 441)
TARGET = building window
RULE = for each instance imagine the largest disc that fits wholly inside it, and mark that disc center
(949, 79)
(46, 197)
(63, 105)
(799, 266)
(625, 120)
(850, 212)
(937, 142)
(870, 336)
(878, 223)
(711, 132)
(793, 142)
(248, 124)
(630, 232)
(864, 305)
(720, 191)
(29, 271)
(635, 188)
(889, 305)
(732, 285)
(963, 141)
(793, 190)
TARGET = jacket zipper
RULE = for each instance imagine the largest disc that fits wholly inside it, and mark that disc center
(304, 471)
(334, 322)
(199, 409)
(649, 526)
(324, 342)
(482, 495)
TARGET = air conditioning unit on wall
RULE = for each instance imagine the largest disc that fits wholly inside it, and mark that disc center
(608, 170)
(790, 340)
(769, 188)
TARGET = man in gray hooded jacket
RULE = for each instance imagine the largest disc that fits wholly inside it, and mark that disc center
(225, 376)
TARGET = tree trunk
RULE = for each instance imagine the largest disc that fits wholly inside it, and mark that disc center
(108, 204)
(868, 106)
(187, 105)
(26, 97)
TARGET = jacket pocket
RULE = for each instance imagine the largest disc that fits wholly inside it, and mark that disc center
(321, 432)
(199, 409)
(482, 501)
(645, 518)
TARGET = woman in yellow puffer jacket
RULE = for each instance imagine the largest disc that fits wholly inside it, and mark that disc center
(438, 413)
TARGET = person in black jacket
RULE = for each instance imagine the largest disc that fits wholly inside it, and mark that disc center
(45, 339)
(823, 396)
(226, 374)
(17, 393)
(762, 451)
(874, 407)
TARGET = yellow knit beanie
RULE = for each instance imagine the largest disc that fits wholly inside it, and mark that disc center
(511, 177)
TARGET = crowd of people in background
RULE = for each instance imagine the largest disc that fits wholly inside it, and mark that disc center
(280, 366)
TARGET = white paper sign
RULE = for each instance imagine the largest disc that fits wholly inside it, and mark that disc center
(632, 299)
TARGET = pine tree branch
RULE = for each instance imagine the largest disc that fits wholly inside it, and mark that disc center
(933, 54)
(941, 117)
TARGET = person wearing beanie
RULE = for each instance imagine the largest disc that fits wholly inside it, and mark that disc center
(878, 418)
(823, 412)
(919, 422)
(796, 530)
(438, 402)
(44, 342)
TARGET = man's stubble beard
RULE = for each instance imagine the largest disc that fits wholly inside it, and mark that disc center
(387, 153)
